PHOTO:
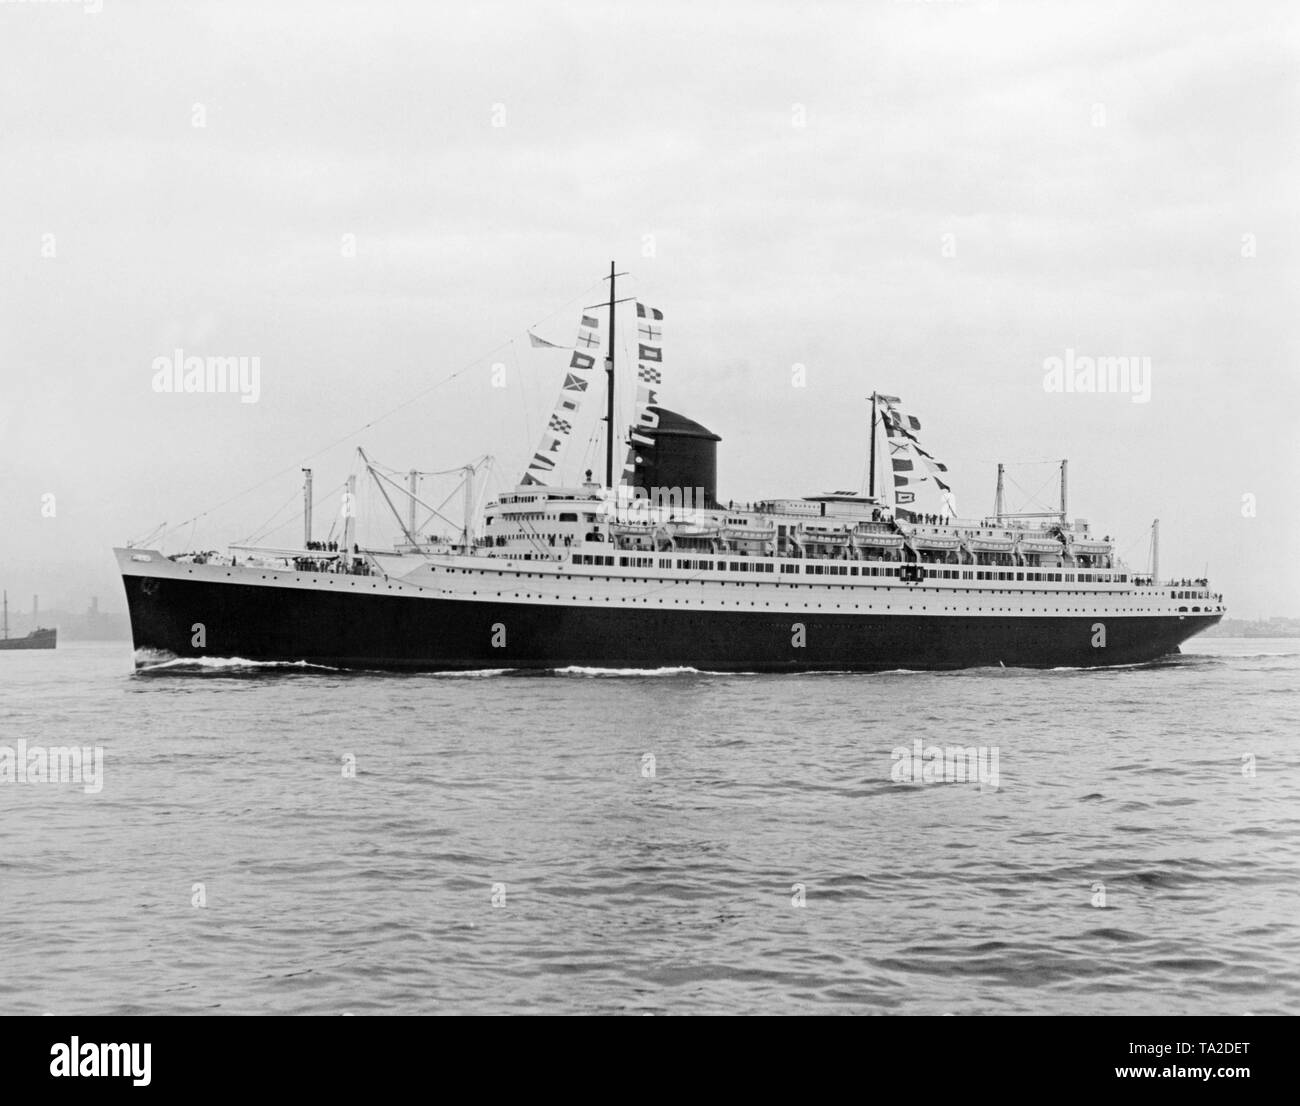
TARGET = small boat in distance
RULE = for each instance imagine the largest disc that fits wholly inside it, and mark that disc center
(39, 638)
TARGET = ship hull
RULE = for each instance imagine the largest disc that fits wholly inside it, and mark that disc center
(190, 619)
(37, 639)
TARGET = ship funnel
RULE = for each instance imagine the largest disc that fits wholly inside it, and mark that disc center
(682, 454)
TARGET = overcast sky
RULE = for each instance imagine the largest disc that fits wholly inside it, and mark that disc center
(928, 199)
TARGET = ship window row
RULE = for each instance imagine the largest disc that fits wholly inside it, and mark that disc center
(814, 568)
(539, 516)
(1189, 595)
(535, 498)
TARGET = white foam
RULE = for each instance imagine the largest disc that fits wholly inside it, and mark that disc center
(580, 670)
(219, 663)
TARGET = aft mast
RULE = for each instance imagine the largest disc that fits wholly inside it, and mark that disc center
(871, 487)
(609, 375)
(609, 388)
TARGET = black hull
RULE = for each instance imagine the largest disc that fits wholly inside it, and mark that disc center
(416, 634)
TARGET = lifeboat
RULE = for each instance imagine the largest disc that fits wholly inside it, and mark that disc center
(990, 545)
(1088, 548)
(876, 535)
(1040, 546)
(750, 533)
(823, 537)
(939, 543)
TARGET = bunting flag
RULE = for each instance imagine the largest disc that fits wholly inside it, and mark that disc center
(588, 333)
(588, 337)
(904, 446)
(649, 332)
(935, 466)
(903, 432)
(569, 401)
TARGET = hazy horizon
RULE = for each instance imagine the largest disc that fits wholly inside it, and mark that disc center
(931, 200)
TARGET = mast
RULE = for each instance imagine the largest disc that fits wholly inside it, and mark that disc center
(997, 498)
(468, 535)
(413, 480)
(306, 509)
(1063, 510)
(609, 374)
(1155, 552)
(871, 487)
(6, 616)
(349, 521)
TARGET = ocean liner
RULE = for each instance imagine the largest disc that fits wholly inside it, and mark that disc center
(650, 569)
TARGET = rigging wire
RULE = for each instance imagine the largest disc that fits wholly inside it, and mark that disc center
(263, 532)
(256, 534)
(379, 418)
(1032, 497)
